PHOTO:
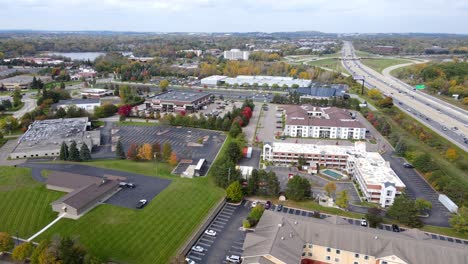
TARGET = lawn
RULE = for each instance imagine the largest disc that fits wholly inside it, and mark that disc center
(151, 235)
(24, 203)
(380, 63)
(334, 64)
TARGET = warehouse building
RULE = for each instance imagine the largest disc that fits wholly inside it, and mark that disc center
(96, 93)
(285, 238)
(236, 54)
(378, 182)
(44, 137)
(20, 82)
(257, 80)
(85, 104)
(177, 101)
(321, 91)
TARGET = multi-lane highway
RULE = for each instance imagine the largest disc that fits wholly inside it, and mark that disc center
(447, 120)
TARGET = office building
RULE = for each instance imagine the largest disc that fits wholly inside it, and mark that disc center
(236, 54)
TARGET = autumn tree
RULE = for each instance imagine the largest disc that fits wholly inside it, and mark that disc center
(374, 94)
(132, 152)
(6, 242)
(145, 152)
(124, 110)
(330, 189)
(23, 251)
(459, 221)
(157, 151)
(173, 159)
(342, 199)
(234, 192)
(452, 154)
(166, 151)
(163, 85)
(119, 151)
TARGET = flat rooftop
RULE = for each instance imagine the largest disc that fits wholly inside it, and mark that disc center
(312, 148)
(18, 79)
(375, 170)
(180, 96)
(269, 80)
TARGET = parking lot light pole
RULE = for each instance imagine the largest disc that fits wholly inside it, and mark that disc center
(155, 163)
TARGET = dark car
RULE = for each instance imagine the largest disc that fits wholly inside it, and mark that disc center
(268, 205)
(279, 207)
(407, 165)
(395, 228)
(141, 203)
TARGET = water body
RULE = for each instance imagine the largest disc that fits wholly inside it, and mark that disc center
(78, 55)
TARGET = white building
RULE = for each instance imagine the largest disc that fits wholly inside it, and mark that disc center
(317, 122)
(197, 53)
(85, 104)
(212, 80)
(236, 54)
(96, 92)
(262, 80)
(377, 180)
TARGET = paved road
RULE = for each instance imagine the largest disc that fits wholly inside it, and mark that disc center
(432, 112)
(105, 149)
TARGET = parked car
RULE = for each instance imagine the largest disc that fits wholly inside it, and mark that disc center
(189, 261)
(127, 185)
(268, 205)
(395, 228)
(198, 249)
(279, 207)
(210, 232)
(141, 203)
(407, 165)
(363, 222)
(233, 259)
(254, 203)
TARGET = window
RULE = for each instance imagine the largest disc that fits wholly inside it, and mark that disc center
(356, 255)
(389, 193)
(309, 254)
(366, 257)
(328, 258)
(304, 246)
(355, 262)
(337, 260)
(337, 251)
(303, 254)
(328, 249)
(384, 262)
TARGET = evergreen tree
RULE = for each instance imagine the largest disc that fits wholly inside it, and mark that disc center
(74, 154)
(63, 151)
(85, 153)
(119, 151)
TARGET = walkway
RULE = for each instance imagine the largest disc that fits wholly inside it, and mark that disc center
(47, 227)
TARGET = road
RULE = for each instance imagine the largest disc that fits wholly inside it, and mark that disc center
(449, 121)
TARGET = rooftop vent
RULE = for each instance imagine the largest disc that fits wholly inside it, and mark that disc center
(282, 238)
(295, 222)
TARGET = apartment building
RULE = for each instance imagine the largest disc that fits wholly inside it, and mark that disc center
(236, 54)
(321, 122)
(378, 182)
(283, 238)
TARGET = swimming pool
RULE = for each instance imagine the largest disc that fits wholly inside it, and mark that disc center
(332, 174)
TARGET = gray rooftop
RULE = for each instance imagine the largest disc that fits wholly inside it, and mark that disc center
(82, 197)
(18, 79)
(70, 180)
(286, 242)
(180, 96)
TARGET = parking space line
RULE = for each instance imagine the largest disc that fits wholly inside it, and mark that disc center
(218, 226)
(194, 257)
(226, 213)
(236, 247)
(204, 244)
(207, 240)
(216, 229)
(239, 242)
(198, 253)
(221, 221)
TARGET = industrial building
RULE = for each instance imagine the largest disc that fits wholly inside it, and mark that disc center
(236, 54)
(96, 93)
(378, 182)
(321, 91)
(20, 82)
(259, 80)
(44, 137)
(321, 122)
(176, 101)
(85, 104)
(285, 238)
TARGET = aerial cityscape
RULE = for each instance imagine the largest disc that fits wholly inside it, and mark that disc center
(202, 131)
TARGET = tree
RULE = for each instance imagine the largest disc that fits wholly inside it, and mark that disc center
(7, 104)
(235, 129)
(273, 185)
(132, 152)
(61, 113)
(301, 161)
(298, 188)
(37, 252)
(125, 110)
(85, 153)
(404, 210)
(74, 153)
(451, 154)
(173, 159)
(401, 147)
(374, 217)
(6, 242)
(330, 189)
(234, 151)
(234, 192)
(157, 151)
(63, 151)
(459, 221)
(145, 152)
(422, 205)
(62, 85)
(255, 214)
(119, 151)
(17, 97)
(166, 151)
(342, 199)
(424, 163)
(386, 102)
(23, 251)
(374, 94)
(252, 183)
(163, 85)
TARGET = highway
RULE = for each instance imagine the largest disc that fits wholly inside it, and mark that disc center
(449, 121)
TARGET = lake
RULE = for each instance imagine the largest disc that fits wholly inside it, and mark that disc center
(78, 55)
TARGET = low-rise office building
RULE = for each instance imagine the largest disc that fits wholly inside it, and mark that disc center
(20, 82)
(236, 54)
(177, 101)
(321, 122)
(257, 80)
(85, 104)
(96, 93)
(378, 182)
(288, 239)
(321, 91)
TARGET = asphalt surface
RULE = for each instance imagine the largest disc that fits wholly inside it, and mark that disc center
(228, 240)
(146, 187)
(105, 149)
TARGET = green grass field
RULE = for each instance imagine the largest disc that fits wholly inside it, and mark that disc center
(136, 123)
(151, 235)
(380, 63)
(333, 64)
(24, 203)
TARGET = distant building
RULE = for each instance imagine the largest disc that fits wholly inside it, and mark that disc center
(321, 122)
(140, 59)
(378, 182)
(44, 138)
(236, 54)
(96, 93)
(321, 91)
(197, 53)
(213, 52)
(85, 104)
(20, 82)
(177, 101)
(84, 73)
(436, 50)
(380, 49)
(213, 80)
(293, 239)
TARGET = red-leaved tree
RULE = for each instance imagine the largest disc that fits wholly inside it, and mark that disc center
(124, 110)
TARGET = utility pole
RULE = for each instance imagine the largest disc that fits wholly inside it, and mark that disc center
(229, 175)
(362, 87)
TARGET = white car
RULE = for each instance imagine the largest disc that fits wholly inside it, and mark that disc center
(210, 232)
(254, 203)
(198, 249)
(233, 259)
(189, 261)
(363, 222)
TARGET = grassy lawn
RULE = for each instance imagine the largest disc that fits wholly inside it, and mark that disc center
(364, 54)
(151, 235)
(136, 123)
(24, 203)
(444, 231)
(380, 63)
(334, 64)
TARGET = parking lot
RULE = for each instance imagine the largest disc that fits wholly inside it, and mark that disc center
(385, 227)
(185, 142)
(228, 240)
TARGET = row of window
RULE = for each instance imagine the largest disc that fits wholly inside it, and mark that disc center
(37, 155)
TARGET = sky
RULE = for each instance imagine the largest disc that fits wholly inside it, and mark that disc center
(332, 16)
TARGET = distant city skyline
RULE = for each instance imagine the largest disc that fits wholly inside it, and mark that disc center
(338, 16)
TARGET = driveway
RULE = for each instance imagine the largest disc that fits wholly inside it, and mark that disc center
(146, 187)
(105, 149)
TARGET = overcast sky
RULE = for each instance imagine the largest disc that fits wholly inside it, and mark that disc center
(364, 16)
